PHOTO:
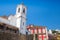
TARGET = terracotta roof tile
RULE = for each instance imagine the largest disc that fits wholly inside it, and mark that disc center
(35, 27)
(5, 17)
(9, 26)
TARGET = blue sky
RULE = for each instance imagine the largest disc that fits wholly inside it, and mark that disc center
(39, 12)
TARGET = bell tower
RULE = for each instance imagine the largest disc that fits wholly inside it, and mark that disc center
(21, 18)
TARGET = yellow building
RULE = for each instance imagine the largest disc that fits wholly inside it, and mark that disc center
(58, 36)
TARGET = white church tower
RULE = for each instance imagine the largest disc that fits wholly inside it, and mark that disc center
(21, 18)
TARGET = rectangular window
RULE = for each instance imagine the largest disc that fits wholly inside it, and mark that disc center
(23, 23)
(35, 31)
(43, 30)
(44, 37)
(39, 30)
(39, 37)
(32, 31)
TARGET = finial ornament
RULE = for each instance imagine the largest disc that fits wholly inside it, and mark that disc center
(22, 2)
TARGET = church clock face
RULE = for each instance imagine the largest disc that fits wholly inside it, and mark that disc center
(23, 10)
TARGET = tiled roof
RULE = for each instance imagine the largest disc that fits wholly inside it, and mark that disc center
(35, 27)
(5, 17)
(9, 26)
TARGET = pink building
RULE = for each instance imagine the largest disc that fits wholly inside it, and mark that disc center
(39, 31)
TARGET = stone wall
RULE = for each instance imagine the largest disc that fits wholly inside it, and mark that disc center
(14, 36)
(22, 37)
(29, 37)
(9, 36)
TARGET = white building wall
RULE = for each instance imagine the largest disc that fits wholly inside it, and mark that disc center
(21, 19)
(4, 20)
(12, 20)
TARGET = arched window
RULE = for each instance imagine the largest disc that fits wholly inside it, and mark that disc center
(23, 23)
(24, 10)
(18, 10)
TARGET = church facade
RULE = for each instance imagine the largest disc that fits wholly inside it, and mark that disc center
(18, 20)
